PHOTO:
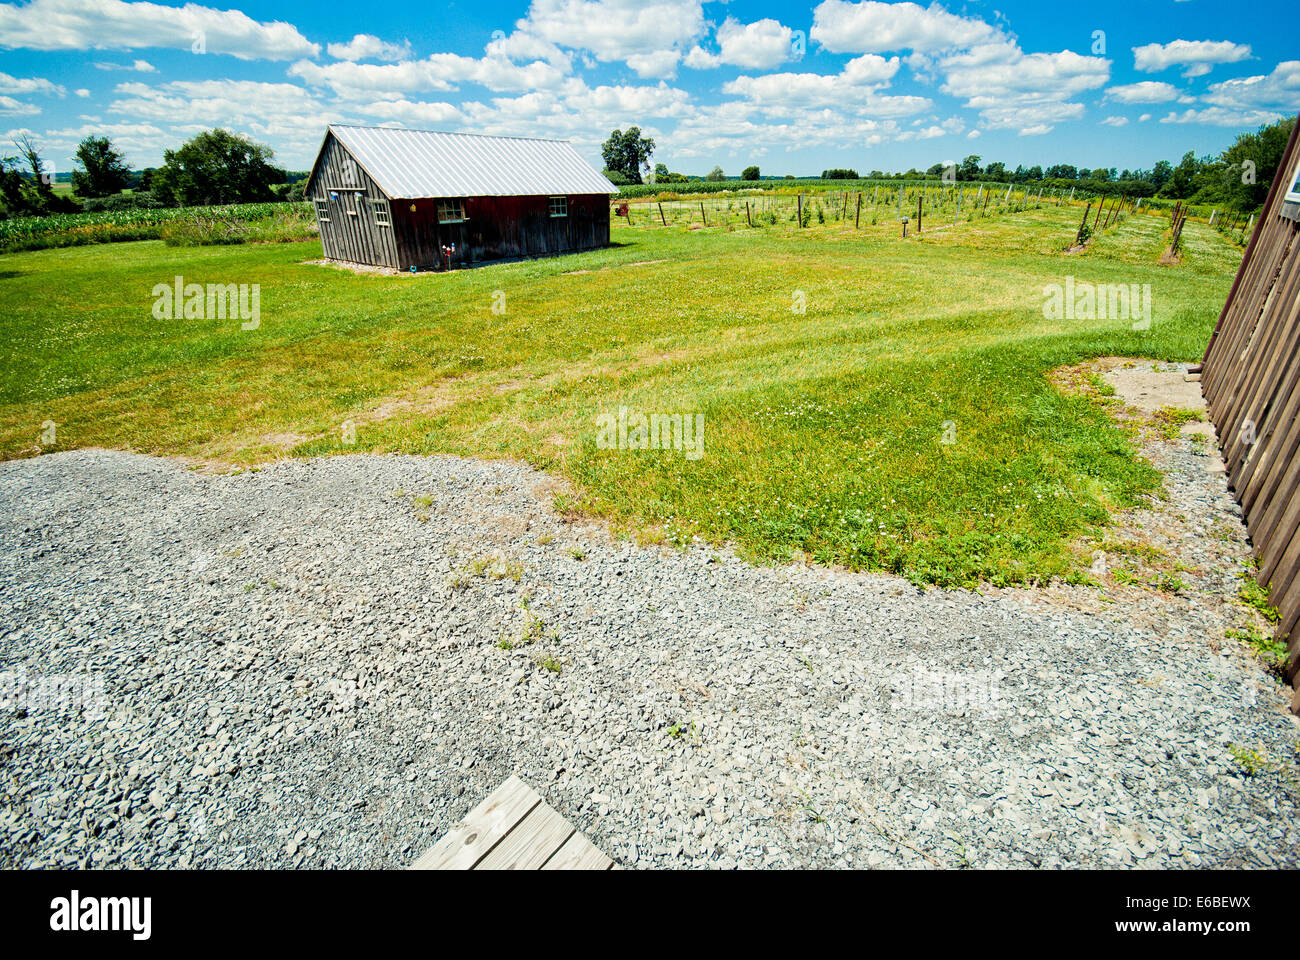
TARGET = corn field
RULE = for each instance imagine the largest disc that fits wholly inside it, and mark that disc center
(107, 226)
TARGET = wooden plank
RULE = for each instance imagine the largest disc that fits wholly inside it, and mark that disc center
(531, 843)
(486, 825)
(578, 853)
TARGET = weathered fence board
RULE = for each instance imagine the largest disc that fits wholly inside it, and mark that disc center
(1251, 382)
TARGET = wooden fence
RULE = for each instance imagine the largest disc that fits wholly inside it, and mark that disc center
(1251, 380)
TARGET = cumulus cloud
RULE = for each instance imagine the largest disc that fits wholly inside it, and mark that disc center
(121, 25)
(761, 45)
(442, 71)
(10, 84)
(1278, 90)
(1012, 89)
(9, 107)
(853, 91)
(874, 27)
(1198, 57)
(1115, 121)
(1145, 91)
(365, 46)
(651, 36)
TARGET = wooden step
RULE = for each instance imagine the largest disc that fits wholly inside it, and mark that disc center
(513, 829)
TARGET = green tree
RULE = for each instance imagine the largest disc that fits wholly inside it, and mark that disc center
(969, 169)
(1182, 181)
(716, 175)
(1252, 162)
(1161, 173)
(749, 173)
(661, 172)
(29, 193)
(217, 166)
(627, 152)
(103, 171)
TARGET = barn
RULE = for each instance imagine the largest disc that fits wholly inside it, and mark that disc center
(424, 200)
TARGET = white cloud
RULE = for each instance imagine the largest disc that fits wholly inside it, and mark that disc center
(10, 84)
(1025, 91)
(874, 27)
(761, 45)
(649, 35)
(9, 107)
(119, 25)
(1115, 121)
(365, 46)
(1197, 56)
(282, 113)
(413, 114)
(1278, 90)
(657, 63)
(139, 66)
(1223, 117)
(850, 92)
(82, 92)
(1145, 91)
(442, 71)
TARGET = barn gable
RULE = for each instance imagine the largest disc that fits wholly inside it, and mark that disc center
(419, 164)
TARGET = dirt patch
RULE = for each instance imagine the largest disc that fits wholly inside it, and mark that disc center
(1149, 385)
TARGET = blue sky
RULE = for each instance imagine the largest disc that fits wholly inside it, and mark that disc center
(792, 88)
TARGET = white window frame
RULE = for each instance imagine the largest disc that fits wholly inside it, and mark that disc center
(380, 209)
(563, 203)
(323, 211)
(455, 205)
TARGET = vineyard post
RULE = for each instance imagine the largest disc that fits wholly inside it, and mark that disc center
(798, 200)
(857, 216)
(1100, 208)
(1083, 225)
(919, 200)
(661, 212)
(747, 219)
(703, 216)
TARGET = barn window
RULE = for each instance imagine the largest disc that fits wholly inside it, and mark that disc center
(323, 209)
(381, 213)
(559, 206)
(451, 211)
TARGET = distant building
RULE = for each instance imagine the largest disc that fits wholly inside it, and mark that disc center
(416, 199)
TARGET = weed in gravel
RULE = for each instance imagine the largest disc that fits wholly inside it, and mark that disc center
(1255, 596)
(1250, 762)
(1267, 648)
(1169, 421)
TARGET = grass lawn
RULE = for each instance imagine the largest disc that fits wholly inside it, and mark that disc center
(824, 429)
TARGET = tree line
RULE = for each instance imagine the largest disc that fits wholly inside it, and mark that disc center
(1239, 177)
(213, 167)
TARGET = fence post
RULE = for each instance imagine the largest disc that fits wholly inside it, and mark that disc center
(703, 216)
(747, 218)
(857, 217)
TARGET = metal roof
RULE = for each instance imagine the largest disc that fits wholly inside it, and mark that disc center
(415, 164)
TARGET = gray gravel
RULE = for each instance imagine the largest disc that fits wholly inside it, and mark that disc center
(327, 663)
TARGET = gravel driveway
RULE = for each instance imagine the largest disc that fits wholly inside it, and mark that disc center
(326, 663)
